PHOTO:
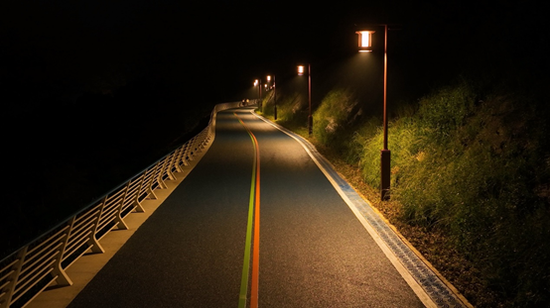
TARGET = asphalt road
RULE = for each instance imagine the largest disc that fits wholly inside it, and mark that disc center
(313, 251)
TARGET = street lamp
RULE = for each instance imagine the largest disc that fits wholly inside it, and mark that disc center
(365, 40)
(258, 82)
(274, 96)
(301, 70)
(365, 45)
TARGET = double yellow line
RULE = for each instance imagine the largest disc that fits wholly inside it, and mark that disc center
(253, 223)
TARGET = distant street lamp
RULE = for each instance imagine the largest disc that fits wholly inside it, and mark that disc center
(258, 83)
(365, 45)
(301, 70)
(274, 96)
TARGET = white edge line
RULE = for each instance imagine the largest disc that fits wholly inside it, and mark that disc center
(415, 286)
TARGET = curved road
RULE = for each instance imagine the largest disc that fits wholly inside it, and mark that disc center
(194, 250)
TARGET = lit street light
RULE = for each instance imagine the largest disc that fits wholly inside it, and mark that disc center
(365, 40)
(274, 96)
(301, 70)
(258, 83)
(365, 45)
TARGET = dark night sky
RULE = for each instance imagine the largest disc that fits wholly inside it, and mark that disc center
(100, 44)
(215, 49)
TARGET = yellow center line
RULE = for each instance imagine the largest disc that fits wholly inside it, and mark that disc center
(254, 208)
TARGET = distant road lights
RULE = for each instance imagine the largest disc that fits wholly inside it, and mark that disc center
(257, 83)
(365, 40)
(301, 70)
(274, 87)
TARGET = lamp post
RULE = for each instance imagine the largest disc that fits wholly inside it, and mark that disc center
(258, 82)
(274, 96)
(301, 70)
(365, 45)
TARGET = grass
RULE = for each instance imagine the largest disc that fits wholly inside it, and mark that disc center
(470, 183)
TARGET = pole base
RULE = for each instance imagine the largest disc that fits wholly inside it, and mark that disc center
(385, 176)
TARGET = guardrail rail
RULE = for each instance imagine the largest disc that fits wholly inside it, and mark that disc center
(28, 271)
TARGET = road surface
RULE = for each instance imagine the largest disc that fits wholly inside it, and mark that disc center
(256, 223)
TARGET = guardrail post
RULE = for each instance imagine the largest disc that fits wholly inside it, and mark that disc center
(177, 159)
(160, 175)
(184, 155)
(191, 149)
(169, 163)
(150, 191)
(62, 278)
(10, 288)
(139, 207)
(205, 139)
(121, 224)
(183, 158)
(96, 247)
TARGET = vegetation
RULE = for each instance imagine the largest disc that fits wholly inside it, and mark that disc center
(291, 110)
(470, 165)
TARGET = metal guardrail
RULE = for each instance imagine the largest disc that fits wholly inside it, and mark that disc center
(28, 271)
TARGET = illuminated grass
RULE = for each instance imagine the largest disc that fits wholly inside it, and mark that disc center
(473, 168)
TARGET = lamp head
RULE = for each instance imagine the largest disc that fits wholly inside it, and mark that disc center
(365, 40)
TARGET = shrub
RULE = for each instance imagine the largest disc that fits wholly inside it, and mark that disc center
(446, 109)
(334, 114)
(268, 104)
(474, 175)
(290, 110)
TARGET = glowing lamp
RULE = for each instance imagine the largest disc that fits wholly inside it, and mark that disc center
(301, 70)
(256, 82)
(365, 40)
